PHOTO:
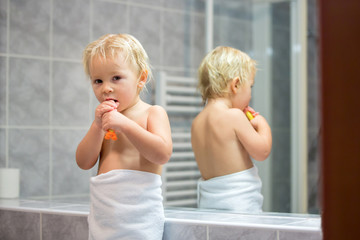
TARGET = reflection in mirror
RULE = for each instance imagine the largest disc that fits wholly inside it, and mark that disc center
(227, 132)
(42, 144)
(272, 32)
(267, 30)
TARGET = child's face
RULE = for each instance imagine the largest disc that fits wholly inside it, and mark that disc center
(243, 95)
(114, 79)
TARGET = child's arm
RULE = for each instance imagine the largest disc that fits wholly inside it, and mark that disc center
(154, 143)
(255, 135)
(89, 148)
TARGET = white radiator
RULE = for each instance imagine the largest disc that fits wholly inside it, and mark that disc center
(179, 97)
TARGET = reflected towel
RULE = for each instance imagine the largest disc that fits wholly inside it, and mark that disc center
(239, 191)
(126, 204)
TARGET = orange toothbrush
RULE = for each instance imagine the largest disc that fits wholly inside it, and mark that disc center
(110, 135)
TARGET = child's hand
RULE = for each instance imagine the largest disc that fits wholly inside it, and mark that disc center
(104, 107)
(112, 120)
(251, 110)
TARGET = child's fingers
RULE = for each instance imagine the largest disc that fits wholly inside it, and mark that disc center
(107, 106)
(249, 109)
(106, 121)
(112, 103)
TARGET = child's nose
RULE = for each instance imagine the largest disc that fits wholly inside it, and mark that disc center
(108, 88)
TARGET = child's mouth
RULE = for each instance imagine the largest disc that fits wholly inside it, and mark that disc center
(110, 99)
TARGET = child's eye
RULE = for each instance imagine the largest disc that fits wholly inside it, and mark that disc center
(116, 78)
(97, 81)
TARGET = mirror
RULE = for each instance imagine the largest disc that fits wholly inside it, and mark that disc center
(46, 104)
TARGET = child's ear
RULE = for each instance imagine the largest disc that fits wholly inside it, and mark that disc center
(235, 84)
(143, 78)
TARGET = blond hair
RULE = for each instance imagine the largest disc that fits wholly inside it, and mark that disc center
(219, 67)
(111, 45)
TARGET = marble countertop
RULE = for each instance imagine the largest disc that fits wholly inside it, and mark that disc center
(80, 207)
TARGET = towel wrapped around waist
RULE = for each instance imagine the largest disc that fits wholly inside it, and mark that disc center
(239, 191)
(126, 204)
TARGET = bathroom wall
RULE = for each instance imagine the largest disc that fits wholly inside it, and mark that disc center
(46, 103)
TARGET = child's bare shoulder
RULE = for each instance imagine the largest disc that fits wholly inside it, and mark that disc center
(234, 114)
(156, 109)
(156, 112)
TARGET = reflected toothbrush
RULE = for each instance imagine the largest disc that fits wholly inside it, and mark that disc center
(249, 115)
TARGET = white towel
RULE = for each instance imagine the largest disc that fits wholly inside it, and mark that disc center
(126, 204)
(239, 191)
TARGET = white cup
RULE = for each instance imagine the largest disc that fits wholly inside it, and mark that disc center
(9, 182)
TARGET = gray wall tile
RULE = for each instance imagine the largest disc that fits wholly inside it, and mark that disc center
(30, 27)
(240, 233)
(281, 100)
(313, 84)
(313, 108)
(59, 227)
(236, 34)
(153, 3)
(176, 39)
(103, 10)
(281, 15)
(145, 26)
(281, 155)
(3, 26)
(2, 91)
(2, 148)
(70, 33)
(281, 97)
(64, 167)
(19, 225)
(185, 5)
(298, 235)
(178, 5)
(314, 163)
(198, 50)
(28, 92)
(30, 153)
(181, 231)
(312, 15)
(70, 95)
(240, 10)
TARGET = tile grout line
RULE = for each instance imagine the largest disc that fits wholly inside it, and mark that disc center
(207, 233)
(91, 35)
(128, 16)
(69, 60)
(40, 224)
(51, 98)
(141, 5)
(7, 86)
(42, 58)
(162, 21)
